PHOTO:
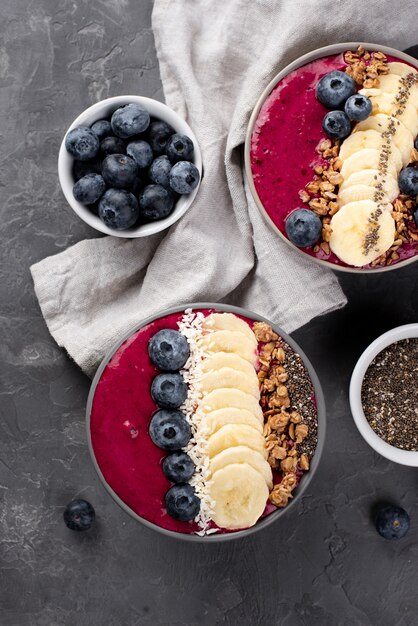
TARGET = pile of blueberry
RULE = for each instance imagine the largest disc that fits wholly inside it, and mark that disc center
(169, 350)
(337, 91)
(130, 169)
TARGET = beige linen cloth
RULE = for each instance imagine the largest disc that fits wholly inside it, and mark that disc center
(216, 57)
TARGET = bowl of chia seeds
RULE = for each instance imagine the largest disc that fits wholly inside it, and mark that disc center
(384, 395)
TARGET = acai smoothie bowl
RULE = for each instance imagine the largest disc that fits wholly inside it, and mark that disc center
(206, 422)
(331, 156)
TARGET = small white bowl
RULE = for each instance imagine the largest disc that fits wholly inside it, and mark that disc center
(404, 457)
(102, 110)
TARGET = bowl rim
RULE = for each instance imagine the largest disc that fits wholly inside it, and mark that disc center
(321, 413)
(306, 58)
(65, 162)
(397, 455)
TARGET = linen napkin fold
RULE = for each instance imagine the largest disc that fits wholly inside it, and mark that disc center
(215, 59)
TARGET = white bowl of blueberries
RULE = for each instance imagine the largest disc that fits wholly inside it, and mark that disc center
(129, 166)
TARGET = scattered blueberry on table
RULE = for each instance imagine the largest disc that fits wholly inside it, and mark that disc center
(79, 515)
(131, 152)
(392, 522)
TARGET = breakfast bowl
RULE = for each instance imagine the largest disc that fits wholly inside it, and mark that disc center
(220, 450)
(327, 180)
(157, 111)
(383, 410)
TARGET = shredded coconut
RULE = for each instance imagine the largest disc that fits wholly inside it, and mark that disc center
(191, 327)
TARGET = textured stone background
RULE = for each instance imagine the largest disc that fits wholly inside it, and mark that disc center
(323, 565)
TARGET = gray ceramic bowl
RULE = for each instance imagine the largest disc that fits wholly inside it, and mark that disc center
(306, 479)
(303, 60)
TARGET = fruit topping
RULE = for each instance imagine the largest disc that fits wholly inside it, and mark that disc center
(184, 177)
(392, 522)
(82, 143)
(408, 181)
(102, 129)
(169, 430)
(358, 107)
(334, 89)
(118, 209)
(130, 119)
(141, 152)
(179, 148)
(155, 203)
(160, 170)
(89, 188)
(169, 390)
(158, 134)
(182, 503)
(79, 515)
(303, 227)
(168, 350)
(119, 171)
(336, 125)
(178, 467)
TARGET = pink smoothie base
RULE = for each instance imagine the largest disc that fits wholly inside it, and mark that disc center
(127, 458)
(283, 146)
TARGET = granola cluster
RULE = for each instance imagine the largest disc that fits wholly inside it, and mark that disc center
(366, 67)
(284, 427)
(406, 230)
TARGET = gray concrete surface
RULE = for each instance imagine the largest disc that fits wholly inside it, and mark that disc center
(323, 565)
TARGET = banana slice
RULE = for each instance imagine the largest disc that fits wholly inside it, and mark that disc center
(219, 360)
(371, 178)
(232, 435)
(226, 377)
(402, 139)
(355, 193)
(350, 227)
(240, 494)
(400, 69)
(358, 141)
(229, 341)
(366, 159)
(386, 104)
(229, 321)
(227, 398)
(242, 454)
(213, 421)
(391, 83)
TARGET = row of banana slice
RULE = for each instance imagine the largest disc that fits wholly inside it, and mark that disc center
(360, 154)
(231, 422)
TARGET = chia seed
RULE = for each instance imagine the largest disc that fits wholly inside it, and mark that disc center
(389, 394)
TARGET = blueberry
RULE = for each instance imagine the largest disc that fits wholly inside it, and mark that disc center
(119, 170)
(358, 107)
(130, 119)
(169, 390)
(141, 152)
(182, 502)
(155, 202)
(89, 188)
(79, 515)
(179, 148)
(169, 430)
(102, 129)
(158, 134)
(82, 168)
(178, 467)
(82, 143)
(184, 177)
(392, 522)
(408, 181)
(303, 227)
(118, 209)
(336, 125)
(168, 350)
(334, 89)
(112, 145)
(159, 171)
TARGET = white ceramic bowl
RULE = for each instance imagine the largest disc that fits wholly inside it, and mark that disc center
(104, 109)
(404, 457)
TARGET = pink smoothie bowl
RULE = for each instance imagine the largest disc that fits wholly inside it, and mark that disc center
(280, 162)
